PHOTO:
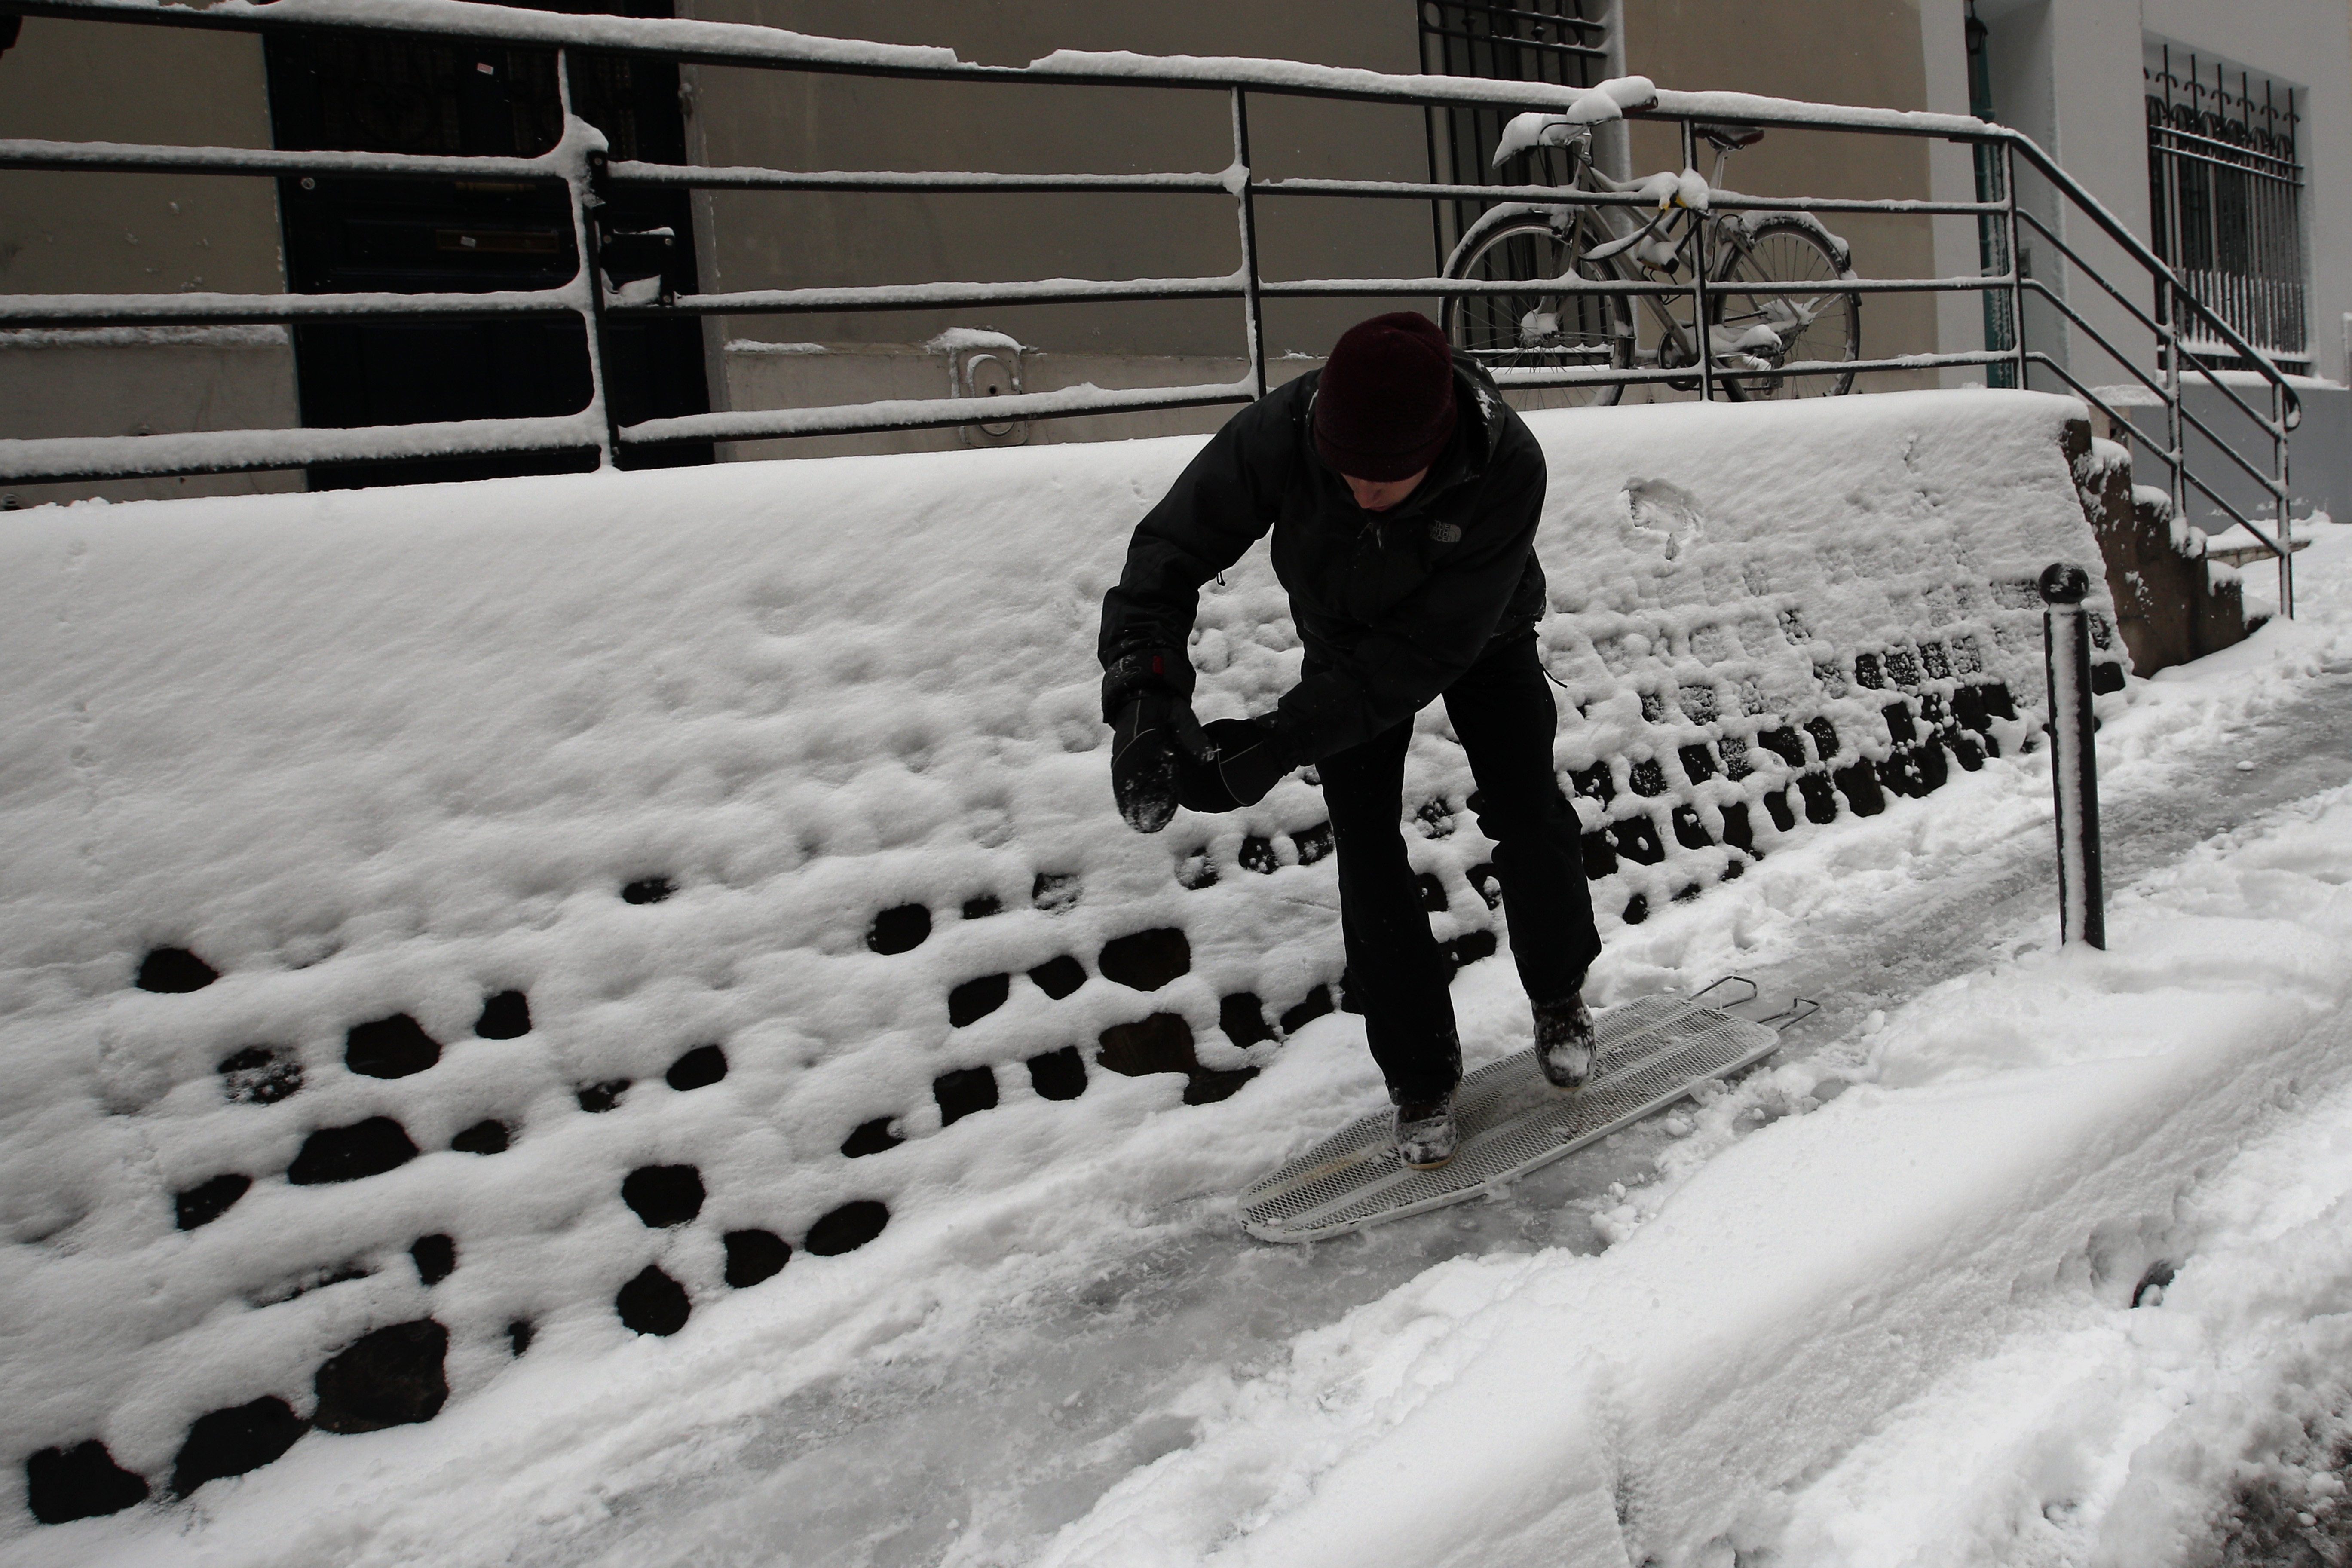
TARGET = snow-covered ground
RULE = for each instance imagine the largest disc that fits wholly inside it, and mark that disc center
(1873, 1304)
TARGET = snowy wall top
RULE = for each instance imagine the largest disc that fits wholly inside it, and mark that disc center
(495, 806)
(1785, 544)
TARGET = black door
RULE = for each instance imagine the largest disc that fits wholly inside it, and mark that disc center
(397, 95)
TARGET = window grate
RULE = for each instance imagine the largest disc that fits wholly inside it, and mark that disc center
(2225, 198)
(1562, 42)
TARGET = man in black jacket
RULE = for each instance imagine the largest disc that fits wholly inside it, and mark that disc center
(1403, 497)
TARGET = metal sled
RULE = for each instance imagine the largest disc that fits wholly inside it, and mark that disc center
(1652, 1052)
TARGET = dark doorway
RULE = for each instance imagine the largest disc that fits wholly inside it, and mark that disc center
(343, 92)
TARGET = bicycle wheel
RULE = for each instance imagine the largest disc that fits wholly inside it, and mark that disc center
(1536, 330)
(1786, 329)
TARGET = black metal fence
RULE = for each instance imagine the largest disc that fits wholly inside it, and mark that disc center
(604, 291)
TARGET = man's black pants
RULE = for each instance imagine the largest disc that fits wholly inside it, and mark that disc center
(1504, 715)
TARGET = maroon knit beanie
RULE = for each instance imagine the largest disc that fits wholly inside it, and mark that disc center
(1384, 409)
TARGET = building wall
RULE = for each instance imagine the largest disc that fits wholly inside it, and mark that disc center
(77, 233)
(778, 120)
(2310, 45)
(1870, 53)
(2068, 74)
(1951, 176)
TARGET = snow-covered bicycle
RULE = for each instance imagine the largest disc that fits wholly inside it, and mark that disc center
(1750, 336)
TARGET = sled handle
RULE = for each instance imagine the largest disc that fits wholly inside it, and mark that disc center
(1754, 990)
(1797, 1010)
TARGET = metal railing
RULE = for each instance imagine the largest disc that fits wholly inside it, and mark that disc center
(578, 164)
(2177, 323)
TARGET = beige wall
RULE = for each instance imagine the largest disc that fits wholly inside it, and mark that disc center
(60, 232)
(139, 383)
(1873, 55)
(81, 82)
(1863, 52)
(782, 120)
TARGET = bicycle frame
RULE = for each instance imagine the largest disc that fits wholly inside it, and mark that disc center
(1674, 236)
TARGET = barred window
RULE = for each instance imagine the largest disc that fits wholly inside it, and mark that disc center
(1564, 42)
(2225, 197)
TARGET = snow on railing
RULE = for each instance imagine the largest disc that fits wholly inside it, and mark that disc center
(1547, 113)
(131, 157)
(715, 43)
(739, 178)
(928, 413)
(247, 451)
(204, 307)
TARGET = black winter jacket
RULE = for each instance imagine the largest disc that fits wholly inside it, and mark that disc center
(1392, 607)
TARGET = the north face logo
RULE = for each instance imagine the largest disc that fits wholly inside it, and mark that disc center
(1443, 533)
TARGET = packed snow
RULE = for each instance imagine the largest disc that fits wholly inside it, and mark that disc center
(1607, 101)
(960, 339)
(669, 754)
(747, 43)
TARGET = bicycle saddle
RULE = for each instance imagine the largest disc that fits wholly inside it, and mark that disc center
(1731, 138)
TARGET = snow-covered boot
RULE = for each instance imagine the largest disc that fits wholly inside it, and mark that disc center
(1564, 1043)
(1425, 1135)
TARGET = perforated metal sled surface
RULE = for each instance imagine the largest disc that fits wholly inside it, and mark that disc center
(1652, 1052)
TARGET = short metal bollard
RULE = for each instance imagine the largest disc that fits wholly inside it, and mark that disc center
(2073, 755)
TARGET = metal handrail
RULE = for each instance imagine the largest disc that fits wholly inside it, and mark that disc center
(2174, 458)
(928, 413)
(579, 162)
(2139, 251)
(64, 457)
(2092, 398)
(2229, 451)
(700, 177)
(2151, 322)
(1510, 376)
(2277, 546)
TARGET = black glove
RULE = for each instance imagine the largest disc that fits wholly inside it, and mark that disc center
(1153, 737)
(1139, 671)
(1249, 758)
